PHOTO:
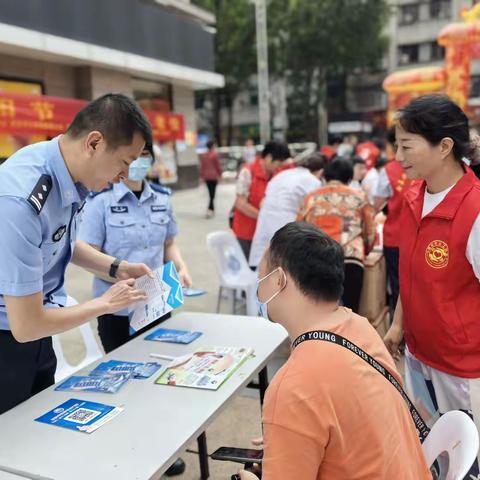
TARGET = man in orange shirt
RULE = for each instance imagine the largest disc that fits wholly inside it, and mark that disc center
(328, 414)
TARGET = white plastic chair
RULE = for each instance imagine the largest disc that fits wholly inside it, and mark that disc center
(233, 270)
(93, 352)
(456, 434)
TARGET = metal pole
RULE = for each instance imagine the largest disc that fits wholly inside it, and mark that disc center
(262, 65)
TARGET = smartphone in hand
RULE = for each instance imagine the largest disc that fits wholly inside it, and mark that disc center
(238, 455)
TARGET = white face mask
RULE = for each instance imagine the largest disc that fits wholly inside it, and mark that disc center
(139, 168)
(262, 306)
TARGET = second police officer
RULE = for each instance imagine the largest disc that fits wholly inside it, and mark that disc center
(133, 220)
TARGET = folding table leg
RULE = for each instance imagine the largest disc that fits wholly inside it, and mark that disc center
(203, 456)
(262, 383)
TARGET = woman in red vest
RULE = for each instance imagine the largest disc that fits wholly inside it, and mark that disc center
(439, 303)
(251, 185)
(392, 185)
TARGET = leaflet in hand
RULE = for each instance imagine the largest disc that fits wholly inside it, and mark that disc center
(80, 415)
(103, 384)
(164, 294)
(206, 368)
(131, 369)
(173, 336)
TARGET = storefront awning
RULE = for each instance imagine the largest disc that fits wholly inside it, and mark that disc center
(43, 115)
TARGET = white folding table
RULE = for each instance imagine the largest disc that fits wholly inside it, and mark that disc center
(158, 421)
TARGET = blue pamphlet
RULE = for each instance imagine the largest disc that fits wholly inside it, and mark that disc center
(193, 292)
(80, 415)
(102, 384)
(130, 369)
(164, 294)
(173, 336)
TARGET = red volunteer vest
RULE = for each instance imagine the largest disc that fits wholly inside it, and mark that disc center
(244, 226)
(440, 293)
(400, 183)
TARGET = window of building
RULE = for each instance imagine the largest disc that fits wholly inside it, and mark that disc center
(475, 86)
(408, 14)
(152, 95)
(437, 52)
(408, 54)
(253, 97)
(440, 9)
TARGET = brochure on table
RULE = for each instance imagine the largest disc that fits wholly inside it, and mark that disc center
(106, 384)
(109, 377)
(170, 335)
(164, 294)
(80, 415)
(136, 370)
(206, 368)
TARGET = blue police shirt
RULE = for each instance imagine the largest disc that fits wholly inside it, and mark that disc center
(40, 205)
(128, 228)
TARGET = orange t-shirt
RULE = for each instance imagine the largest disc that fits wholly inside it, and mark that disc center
(328, 415)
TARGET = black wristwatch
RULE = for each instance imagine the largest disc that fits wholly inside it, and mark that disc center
(114, 268)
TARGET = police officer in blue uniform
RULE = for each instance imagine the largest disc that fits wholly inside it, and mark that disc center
(42, 192)
(133, 221)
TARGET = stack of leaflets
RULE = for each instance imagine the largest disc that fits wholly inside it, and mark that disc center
(80, 415)
(173, 336)
(106, 384)
(109, 377)
(132, 369)
(205, 368)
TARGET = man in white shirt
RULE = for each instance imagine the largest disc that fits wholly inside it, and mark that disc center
(283, 198)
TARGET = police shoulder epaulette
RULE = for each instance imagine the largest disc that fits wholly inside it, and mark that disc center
(38, 196)
(160, 188)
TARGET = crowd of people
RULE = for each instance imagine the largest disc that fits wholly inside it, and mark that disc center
(307, 228)
(421, 177)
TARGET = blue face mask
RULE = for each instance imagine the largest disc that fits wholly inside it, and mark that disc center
(262, 306)
(139, 168)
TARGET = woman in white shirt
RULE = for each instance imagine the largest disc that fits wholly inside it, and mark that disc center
(283, 198)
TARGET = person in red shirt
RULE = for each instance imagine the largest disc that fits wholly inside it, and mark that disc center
(251, 185)
(392, 185)
(437, 310)
(210, 173)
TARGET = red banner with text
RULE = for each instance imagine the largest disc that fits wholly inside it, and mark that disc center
(50, 116)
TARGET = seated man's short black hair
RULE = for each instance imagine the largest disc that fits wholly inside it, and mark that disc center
(278, 150)
(339, 169)
(116, 116)
(312, 259)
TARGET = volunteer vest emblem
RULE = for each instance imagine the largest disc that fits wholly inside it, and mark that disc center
(437, 254)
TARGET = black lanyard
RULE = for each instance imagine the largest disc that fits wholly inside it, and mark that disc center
(422, 428)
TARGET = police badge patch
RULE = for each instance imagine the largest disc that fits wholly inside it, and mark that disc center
(119, 209)
(158, 208)
(59, 233)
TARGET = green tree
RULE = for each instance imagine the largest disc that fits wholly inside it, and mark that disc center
(316, 41)
(234, 54)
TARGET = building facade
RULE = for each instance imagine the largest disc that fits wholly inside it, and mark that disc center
(412, 30)
(156, 51)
